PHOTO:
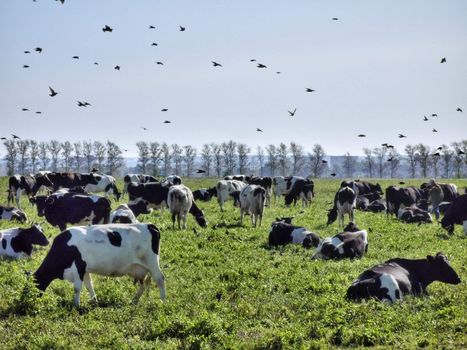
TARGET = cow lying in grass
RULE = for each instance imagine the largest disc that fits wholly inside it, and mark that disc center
(283, 232)
(12, 214)
(17, 242)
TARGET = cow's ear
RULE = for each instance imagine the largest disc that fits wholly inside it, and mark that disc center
(430, 258)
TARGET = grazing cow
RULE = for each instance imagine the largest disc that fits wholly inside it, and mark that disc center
(283, 233)
(345, 202)
(449, 190)
(155, 193)
(252, 200)
(61, 209)
(107, 250)
(282, 185)
(127, 213)
(301, 188)
(397, 277)
(106, 184)
(204, 194)
(377, 206)
(180, 201)
(362, 203)
(457, 214)
(363, 187)
(264, 182)
(12, 214)
(28, 184)
(138, 178)
(352, 243)
(395, 196)
(17, 242)
(225, 189)
(70, 180)
(243, 178)
(414, 214)
(173, 180)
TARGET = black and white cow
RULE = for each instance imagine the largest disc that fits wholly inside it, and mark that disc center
(301, 189)
(283, 233)
(449, 190)
(106, 184)
(362, 203)
(395, 196)
(456, 215)
(352, 243)
(70, 180)
(414, 214)
(61, 209)
(225, 189)
(377, 206)
(204, 194)
(17, 242)
(282, 185)
(107, 250)
(345, 202)
(12, 214)
(173, 180)
(397, 277)
(28, 184)
(180, 202)
(154, 193)
(128, 213)
(363, 187)
(252, 201)
(264, 182)
(138, 178)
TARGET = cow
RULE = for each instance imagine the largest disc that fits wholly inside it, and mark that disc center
(17, 242)
(12, 214)
(449, 190)
(282, 185)
(240, 177)
(106, 184)
(28, 184)
(413, 214)
(61, 209)
(397, 277)
(155, 193)
(264, 182)
(362, 203)
(377, 206)
(363, 187)
(128, 213)
(204, 194)
(345, 202)
(225, 188)
(70, 180)
(180, 201)
(283, 232)
(173, 180)
(456, 214)
(395, 196)
(252, 200)
(301, 188)
(352, 243)
(107, 250)
(138, 178)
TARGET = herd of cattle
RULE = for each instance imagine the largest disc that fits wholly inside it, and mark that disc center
(115, 243)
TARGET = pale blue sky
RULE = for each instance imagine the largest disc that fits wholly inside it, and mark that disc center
(376, 71)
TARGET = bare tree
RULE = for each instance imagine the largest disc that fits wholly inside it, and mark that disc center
(166, 157)
(54, 147)
(88, 154)
(99, 154)
(435, 164)
(10, 156)
(34, 154)
(228, 150)
(114, 157)
(260, 157)
(282, 159)
(206, 158)
(316, 161)
(155, 155)
(218, 158)
(177, 152)
(78, 156)
(242, 150)
(67, 149)
(23, 153)
(447, 158)
(297, 158)
(368, 161)
(349, 165)
(143, 156)
(189, 159)
(458, 158)
(424, 158)
(44, 155)
(412, 158)
(272, 158)
(381, 161)
(394, 163)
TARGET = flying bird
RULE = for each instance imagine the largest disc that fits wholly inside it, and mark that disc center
(260, 65)
(38, 112)
(390, 159)
(215, 64)
(259, 130)
(38, 49)
(164, 109)
(309, 90)
(167, 122)
(182, 29)
(15, 137)
(25, 66)
(434, 130)
(458, 109)
(159, 62)
(76, 57)
(25, 109)
(27, 51)
(96, 63)
(152, 27)
(144, 128)
(62, 1)
(361, 135)
(117, 67)
(440, 148)
(324, 161)
(154, 44)
(434, 115)
(200, 171)
(83, 104)
(292, 113)
(52, 92)
(402, 136)
(443, 60)
(390, 146)
(333, 174)
(2, 138)
(253, 60)
(425, 119)
(436, 154)
(107, 29)
(460, 152)
(125, 150)
(278, 72)
(335, 18)
(384, 145)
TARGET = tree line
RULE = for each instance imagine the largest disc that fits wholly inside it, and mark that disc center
(220, 159)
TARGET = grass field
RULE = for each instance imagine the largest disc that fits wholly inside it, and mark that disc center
(270, 298)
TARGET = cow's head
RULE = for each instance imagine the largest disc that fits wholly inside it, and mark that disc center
(35, 235)
(332, 215)
(201, 220)
(441, 270)
(351, 227)
(377, 188)
(140, 207)
(40, 202)
(311, 240)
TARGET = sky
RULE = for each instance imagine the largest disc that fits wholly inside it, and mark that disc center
(376, 71)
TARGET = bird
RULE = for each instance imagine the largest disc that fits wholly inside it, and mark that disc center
(15, 137)
(25, 109)
(434, 130)
(182, 29)
(401, 183)
(25, 66)
(401, 136)
(361, 135)
(167, 122)
(390, 146)
(292, 113)
(2, 138)
(144, 128)
(443, 60)
(324, 161)
(200, 171)
(278, 72)
(253, 60)
(52, 92)
(62, 1)
(83, 104)
(76, 57)
(434, 115)
(260, 65)
(390, 159)
(333, 174)
(460, 152)
(154, 44)
(335, 18)
(309, 90)
(164, 109)
(38, 112)
(458, 109)
(436, 154)
(440, 148)
(215, 64)
(152, 27)
(259, 130)
(27, 51)
(96, 63)
(38, 49)
(159, 62)
(117, 67)
(384, 145)
(425, 119)
(125, 150)
(107, 29)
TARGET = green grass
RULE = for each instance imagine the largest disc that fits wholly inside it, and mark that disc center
(271, 298)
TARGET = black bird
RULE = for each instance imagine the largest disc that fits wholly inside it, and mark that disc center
(25, 66)
(83, 104)
(390, 146)
(2, 138)
(96, 63)
(335, 18)
(401, 183)
(384, 145)
(458, 109)
(333, 174)
(182, 29)
(324, 161)
(200, 171)
(159, 62)
(434, 115)
(443, 60)
(144, 128)
(25, 109)
(152, 27)
(252, 60)
(27, 51)
(38, 112)
(309, 90)
(259, 130)
(76, 57)
(52, 92)
(434, 130)
(460, 152)
(117, 67)
(292, 113)
(425, 119)
(278, 72)
(390, 159)
(401, 136)
(107, 29)
(436, 154)
(15, 137)
(38, 49)
(167, 122)
(361, 135)
(125, 150)
(439, 148)
(260, 65)
(62, 1)
(154, 44)
(215, 64)
(164, 109)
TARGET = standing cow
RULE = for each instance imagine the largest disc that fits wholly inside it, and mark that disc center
(252, 200)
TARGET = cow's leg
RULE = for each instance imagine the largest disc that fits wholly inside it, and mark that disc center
(173, 221)
(221, 203)
(143, 284)
(88, 284)
(253, 220)
(77, 284)
(241, 216)
(184, 214)
(157, 276)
